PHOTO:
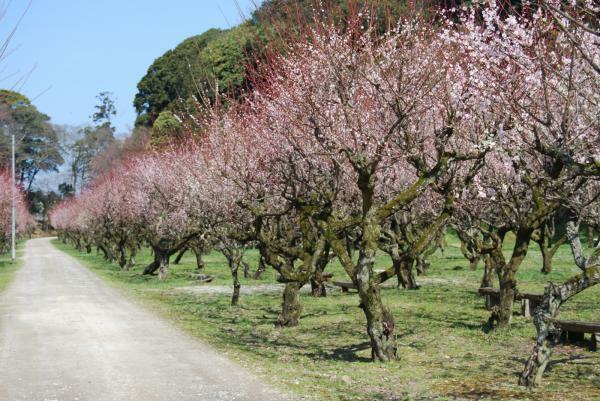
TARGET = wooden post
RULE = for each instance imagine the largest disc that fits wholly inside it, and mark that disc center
(525, 307)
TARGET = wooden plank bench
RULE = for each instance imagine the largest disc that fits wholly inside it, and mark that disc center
(344, 286)
(203, 278)
(327, 277)
(575, 331)
(529, 301)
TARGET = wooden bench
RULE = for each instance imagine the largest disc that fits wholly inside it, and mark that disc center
(203, 278)
(344, 286)
(327, 277)
(529, 301)
(574, 331)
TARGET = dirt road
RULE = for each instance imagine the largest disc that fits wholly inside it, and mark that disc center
(65, 335)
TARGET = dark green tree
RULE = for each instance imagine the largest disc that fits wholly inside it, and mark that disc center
(105, 109)
(166, 127)
(37, 144)
(92, 141)
(195, 72)
(170, 77)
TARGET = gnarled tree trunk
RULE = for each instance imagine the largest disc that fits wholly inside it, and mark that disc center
(163, 269)
(291, 307)
(317, 280)
(262, 267)
(317, 285)
(487, 281)
(199, 259)
(179, 256)
(548, 333)
(507, 278)
(234, 257)
(380, 321)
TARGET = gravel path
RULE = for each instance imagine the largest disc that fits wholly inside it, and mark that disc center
(66, 335)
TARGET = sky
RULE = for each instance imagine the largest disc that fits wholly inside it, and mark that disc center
(76, 49)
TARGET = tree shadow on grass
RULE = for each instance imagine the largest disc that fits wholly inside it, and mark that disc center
(457, 324)
(556, 362)
(346, 353)
(570, 358)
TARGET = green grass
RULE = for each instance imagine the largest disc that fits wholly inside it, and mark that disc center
(7, 268)
(445, 354)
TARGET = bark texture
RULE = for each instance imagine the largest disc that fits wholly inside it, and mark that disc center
(548, 333)
(291, 307)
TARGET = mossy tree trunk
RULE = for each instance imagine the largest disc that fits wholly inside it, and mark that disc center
(317, 280)
(380, 322)
(317, 284)
(234, 257)
(160, 262)
(291, 307)
(199, 253)
(163, 267)
(507, 276)
(488, 272)
(261, 268)
(548, 333)
(179, 256)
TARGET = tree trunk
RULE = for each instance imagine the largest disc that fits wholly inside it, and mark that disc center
(235, 297)
(131, 262)
(246, 267)
(317, 287)
(488, 273)
(380, 322)
(508, 289)
(507, 277)
(291, 307)
(153, 267)
(590, 236)
(422, 266)
(548, 334)
(122, 257)
(179, 256)
(199, 260)
(234, 257)
(105, 252)
(548, 254)
(163, 269)
(474, 262)
(317, 282)
(406, 277)
(403, 268)
(546, 259)
(262, 267)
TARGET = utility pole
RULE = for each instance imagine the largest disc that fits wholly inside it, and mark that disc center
(13, 255)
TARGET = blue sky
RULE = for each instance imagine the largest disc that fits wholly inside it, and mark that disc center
(82, 47)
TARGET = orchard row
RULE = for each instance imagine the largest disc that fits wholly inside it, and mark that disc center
(355, 143)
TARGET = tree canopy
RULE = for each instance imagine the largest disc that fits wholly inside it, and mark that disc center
(37, 143)
(217, 61)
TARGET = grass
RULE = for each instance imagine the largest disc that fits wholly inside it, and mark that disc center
(445, 353)
(7, 268)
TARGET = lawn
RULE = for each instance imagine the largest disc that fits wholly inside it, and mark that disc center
(7, 268)
(444, 352)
